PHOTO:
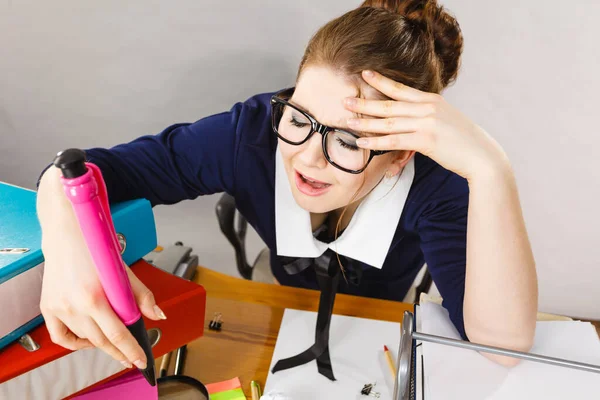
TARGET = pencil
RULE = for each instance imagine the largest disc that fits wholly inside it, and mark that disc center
(255, 388)
(390, 362)
(164, 365)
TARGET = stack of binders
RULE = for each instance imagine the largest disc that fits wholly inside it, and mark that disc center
(35, 368)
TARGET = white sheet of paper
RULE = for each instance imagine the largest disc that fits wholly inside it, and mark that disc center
(357, 358)
(453, 373)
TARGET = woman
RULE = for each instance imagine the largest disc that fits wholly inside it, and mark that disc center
(362, 163)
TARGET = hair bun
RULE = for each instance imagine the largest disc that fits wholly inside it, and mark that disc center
(436, 21)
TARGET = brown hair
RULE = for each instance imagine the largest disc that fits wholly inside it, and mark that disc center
(415, 42)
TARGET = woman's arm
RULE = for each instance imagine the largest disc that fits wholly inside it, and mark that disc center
(182, 162)
(501, 294)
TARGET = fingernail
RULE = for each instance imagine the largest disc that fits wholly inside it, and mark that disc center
(350, 101)
(159, 312)
(140, 364)
(126, 364)
(369, 74)
(352, 122)
(362, 142)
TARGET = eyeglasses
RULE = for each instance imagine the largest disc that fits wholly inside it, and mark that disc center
(295, 126)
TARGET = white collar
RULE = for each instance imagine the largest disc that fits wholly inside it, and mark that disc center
(368, 236)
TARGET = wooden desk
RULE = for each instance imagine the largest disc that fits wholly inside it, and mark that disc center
(252, 314)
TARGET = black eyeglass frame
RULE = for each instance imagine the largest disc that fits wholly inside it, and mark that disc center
(316, 126)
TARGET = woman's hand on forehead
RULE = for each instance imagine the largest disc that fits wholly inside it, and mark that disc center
(424, 122)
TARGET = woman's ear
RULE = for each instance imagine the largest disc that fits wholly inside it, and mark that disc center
(399, 160)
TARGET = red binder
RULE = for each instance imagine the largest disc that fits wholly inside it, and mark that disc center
(54, 372)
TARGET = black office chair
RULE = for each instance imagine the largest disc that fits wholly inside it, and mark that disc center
(234, 226)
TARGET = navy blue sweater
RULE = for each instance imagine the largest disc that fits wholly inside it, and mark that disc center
(235, 151)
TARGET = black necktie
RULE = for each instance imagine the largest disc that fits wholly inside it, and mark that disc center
(327, 269)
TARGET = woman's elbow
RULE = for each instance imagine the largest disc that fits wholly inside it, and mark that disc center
(519, 341)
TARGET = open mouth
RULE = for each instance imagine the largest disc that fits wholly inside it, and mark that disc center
(310, 186)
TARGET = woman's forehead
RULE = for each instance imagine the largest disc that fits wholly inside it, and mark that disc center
(321, 92)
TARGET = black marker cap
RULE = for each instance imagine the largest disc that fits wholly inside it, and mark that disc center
(71, 162)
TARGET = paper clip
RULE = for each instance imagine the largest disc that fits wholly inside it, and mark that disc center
(367, 390)
(216, 323)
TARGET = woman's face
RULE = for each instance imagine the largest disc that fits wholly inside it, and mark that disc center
(318, 186)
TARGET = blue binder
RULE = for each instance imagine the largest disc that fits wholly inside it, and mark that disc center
(21, 253)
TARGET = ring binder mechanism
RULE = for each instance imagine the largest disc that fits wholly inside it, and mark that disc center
(404, 386)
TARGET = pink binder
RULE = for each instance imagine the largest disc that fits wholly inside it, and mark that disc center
(131, 386)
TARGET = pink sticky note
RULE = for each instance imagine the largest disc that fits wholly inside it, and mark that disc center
(131, 386)
(224, 386)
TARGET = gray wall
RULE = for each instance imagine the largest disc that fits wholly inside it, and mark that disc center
(96, 74)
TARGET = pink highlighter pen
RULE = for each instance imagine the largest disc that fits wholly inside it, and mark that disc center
(86, 190)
